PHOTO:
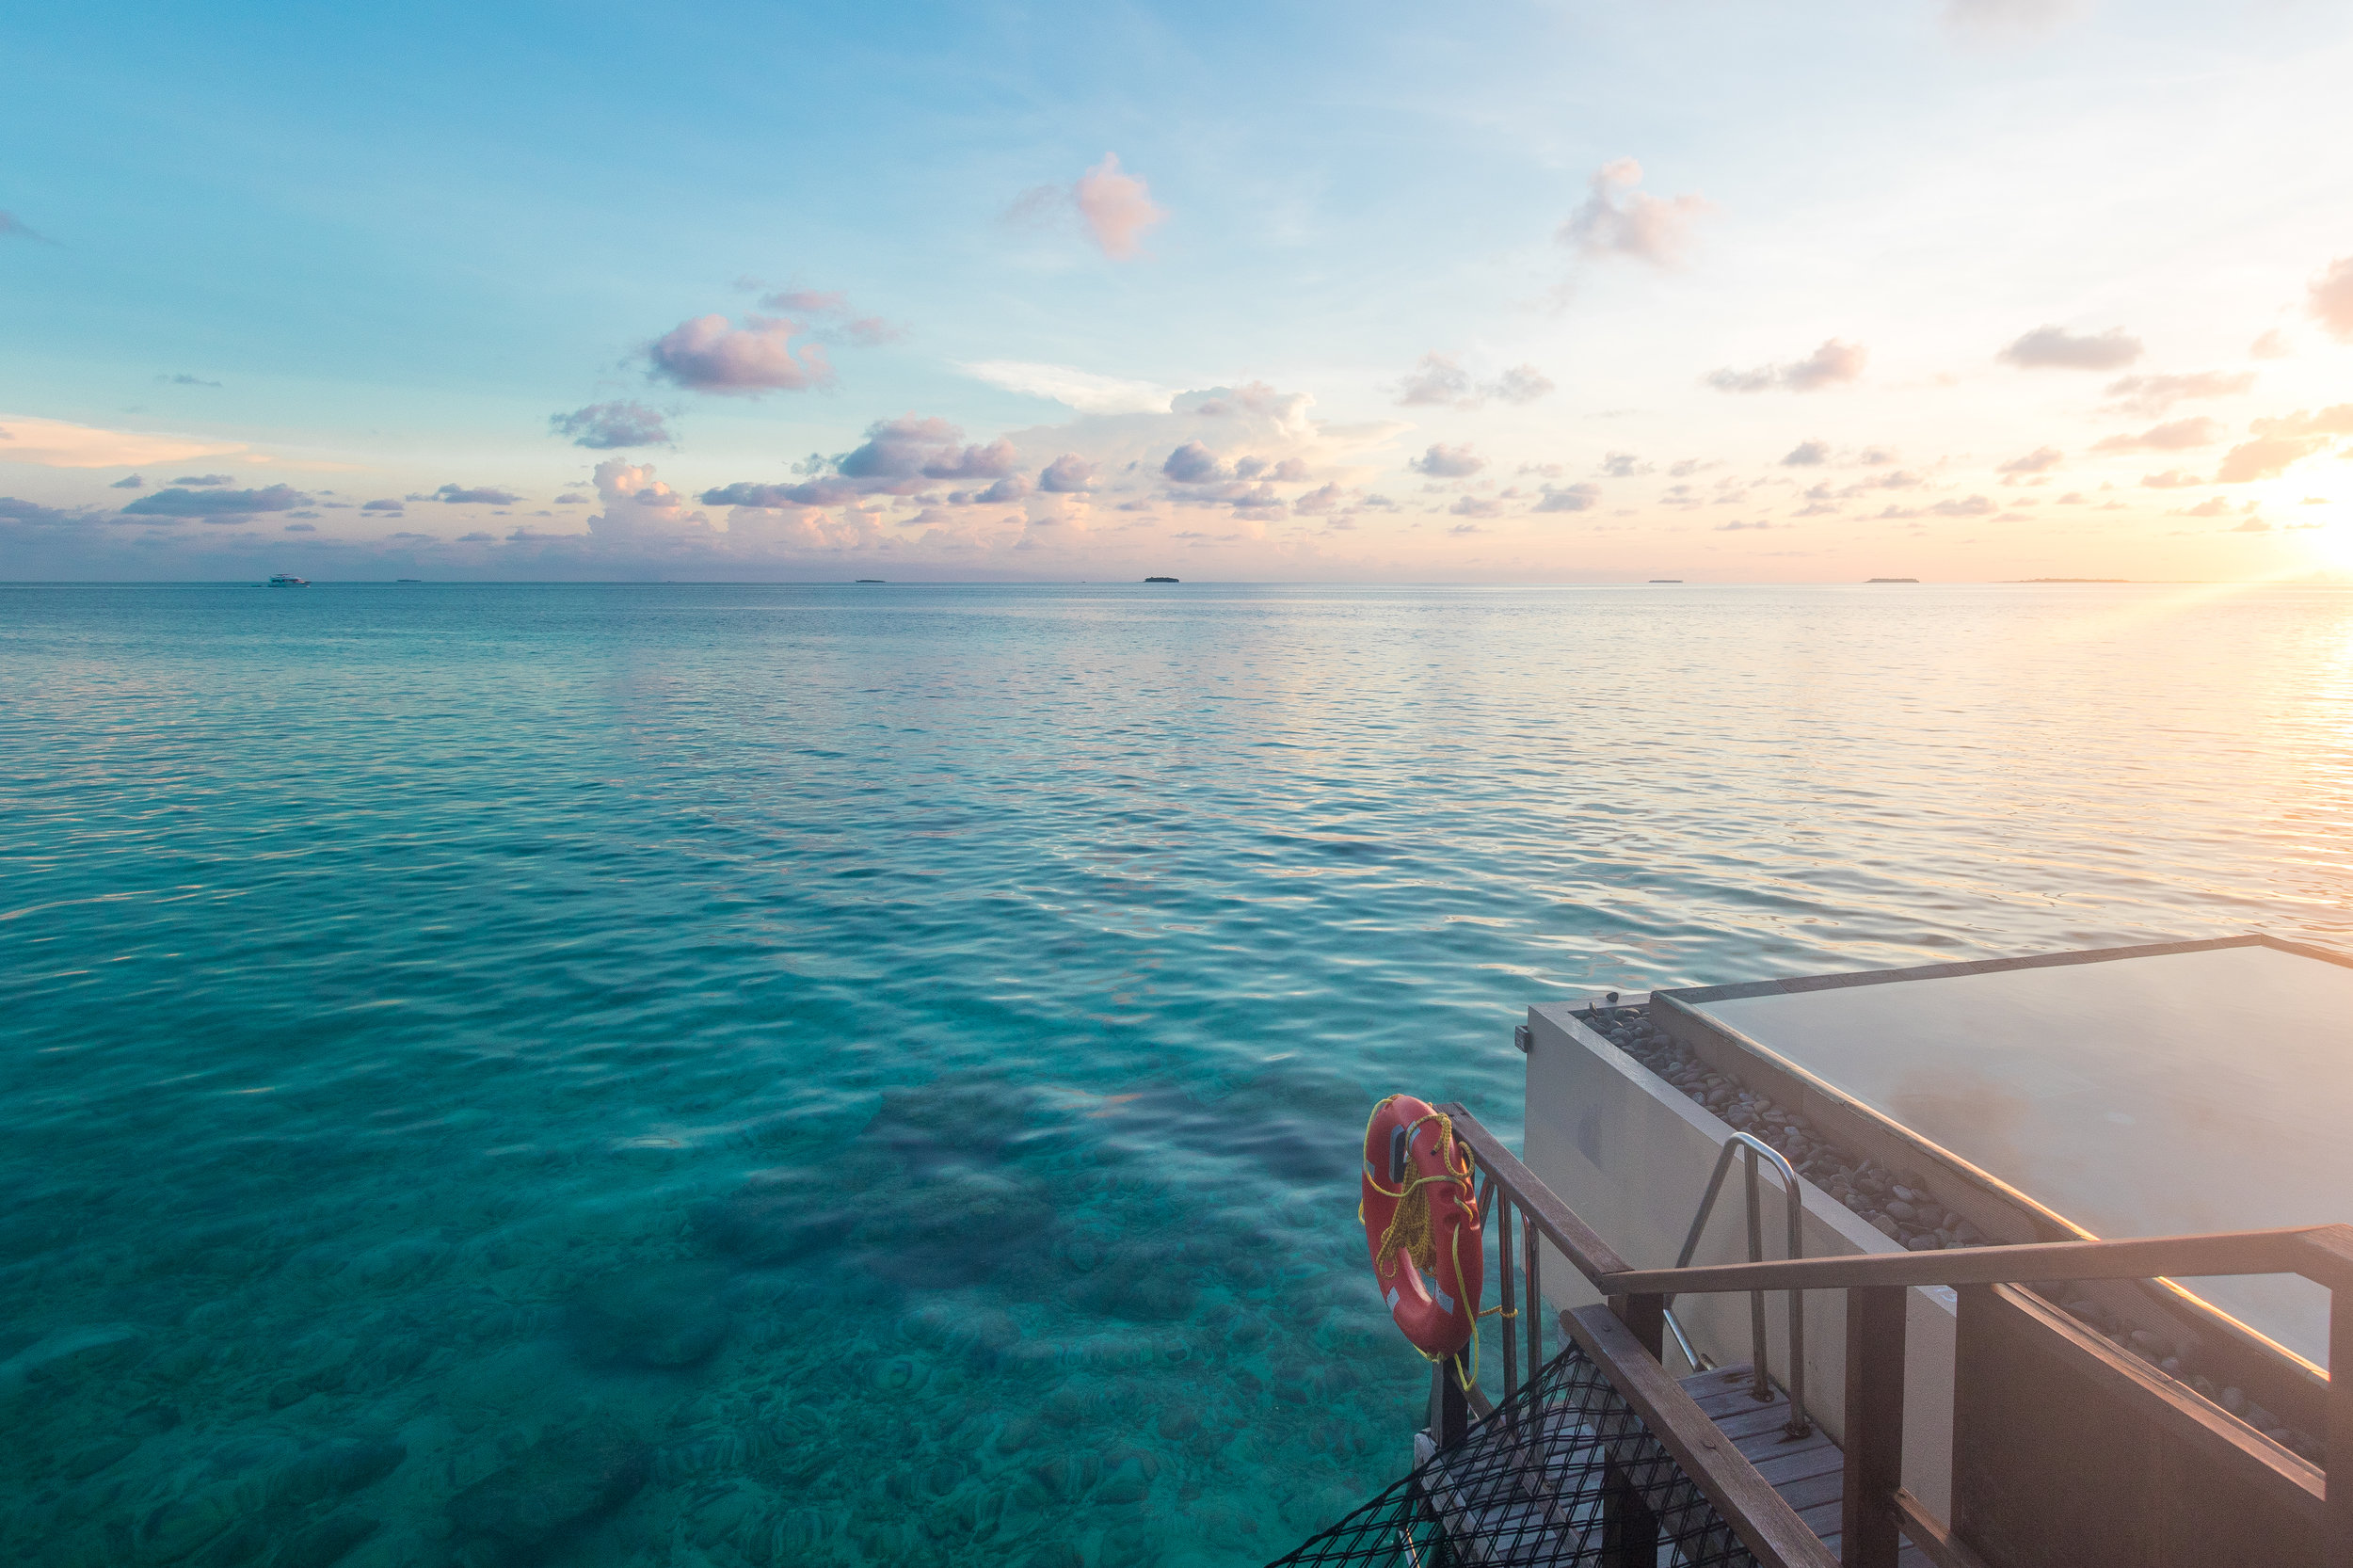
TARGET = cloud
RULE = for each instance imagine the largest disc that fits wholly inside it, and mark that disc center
(909, 451)
(1739, 527)
(708, 354)
(2252, 525)
(2055, 348)
(1193, 464)
(2178, 435)
(55, 443)
(2271, 345)
(1619, 220)
(883, 456)
(302, 528)
(387, 505)
(1324, 499)
(2041, 459)
(2171, 479)
(480, 495)
(224, 506)
(15, 228)
(2266, 458)
(1440, 379)
(1973, 506)
(14, 510)
(1520, 384)
(898, 457)
(2329, 298)
(1448, 462)
(1082, 389)
(205, 481)
(1622, 465)
(129, 482)
(1475, 506)
(601, 427)
(1115, 207)
(1806, 455)
(476, 537)
(568, 499)
(637, 507)
(1068, 475)
(184, 380)
(1570, 498)
(1013, 487)
(2152, 395)
(804, 301)
(1831, 364)
(833, 307)
(2335, 420)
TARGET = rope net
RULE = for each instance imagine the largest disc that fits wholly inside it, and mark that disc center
(1563, 1472)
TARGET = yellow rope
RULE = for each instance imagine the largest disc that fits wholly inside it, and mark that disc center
(1410, 1225)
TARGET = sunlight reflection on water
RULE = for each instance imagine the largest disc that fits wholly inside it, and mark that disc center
(780, 1075)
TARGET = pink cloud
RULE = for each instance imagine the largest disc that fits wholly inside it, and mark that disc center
(708, 354)
(1832, 365)
(1117, 208)
(2266, 457)
(2055, 348)
(2175, 436)
(1617, 220)
(2155, 395)
(2330, 299)
(1448, 462)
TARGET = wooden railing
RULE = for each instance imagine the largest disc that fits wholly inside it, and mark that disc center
(1877, 1509)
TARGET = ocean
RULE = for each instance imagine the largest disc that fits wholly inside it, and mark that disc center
(713, 1076)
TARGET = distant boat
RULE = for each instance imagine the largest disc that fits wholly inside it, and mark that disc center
(407, 579)
(1160, 580)
(280, 579)
(873, 580)
(1666, 579)
(1892, 579)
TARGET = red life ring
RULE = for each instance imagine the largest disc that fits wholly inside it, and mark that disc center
(1412, 1159)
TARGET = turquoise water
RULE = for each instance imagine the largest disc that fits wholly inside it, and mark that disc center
(714, 1076)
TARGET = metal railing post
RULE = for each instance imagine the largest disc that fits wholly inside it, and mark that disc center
(1764, 1389)
(1533, 1308)
(1503, 1269)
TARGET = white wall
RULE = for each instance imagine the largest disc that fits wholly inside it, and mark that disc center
(1631, 1154)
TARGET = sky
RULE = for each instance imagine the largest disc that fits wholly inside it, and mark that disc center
(1962, 290)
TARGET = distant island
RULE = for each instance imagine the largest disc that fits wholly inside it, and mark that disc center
(870, 580)
(2070, 580)
(1891, 580)
(1666, 579)
(1160, 580)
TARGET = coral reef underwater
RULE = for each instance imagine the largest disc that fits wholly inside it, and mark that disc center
(991, 1317)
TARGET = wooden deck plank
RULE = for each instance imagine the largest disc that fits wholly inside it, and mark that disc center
(1809, 1472)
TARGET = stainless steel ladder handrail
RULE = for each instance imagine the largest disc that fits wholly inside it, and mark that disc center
(1752, 1147)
